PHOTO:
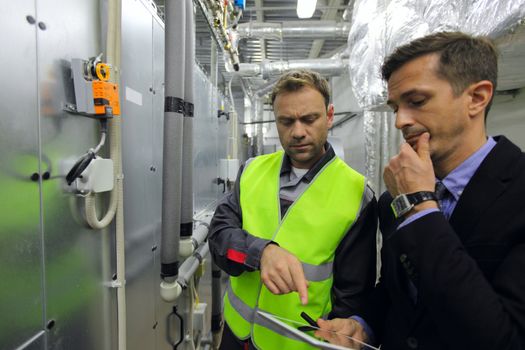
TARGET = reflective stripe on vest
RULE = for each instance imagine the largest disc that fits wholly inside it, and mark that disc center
(251, 315)
(311, 230)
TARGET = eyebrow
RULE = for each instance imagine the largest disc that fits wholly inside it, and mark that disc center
(313, 114)
(405, 94)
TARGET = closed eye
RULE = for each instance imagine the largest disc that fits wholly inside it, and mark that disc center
(417, 102)
(309, 119)
(286, 121)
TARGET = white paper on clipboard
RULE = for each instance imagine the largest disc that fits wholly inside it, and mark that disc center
(298, 335)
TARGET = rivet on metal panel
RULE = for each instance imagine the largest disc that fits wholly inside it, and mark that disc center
(30, 19)
(42, 25)
(50, 324)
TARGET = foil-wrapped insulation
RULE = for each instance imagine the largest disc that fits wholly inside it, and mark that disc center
(379, 26)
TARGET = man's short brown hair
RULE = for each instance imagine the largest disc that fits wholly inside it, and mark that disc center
(295, 80)
(463, 59)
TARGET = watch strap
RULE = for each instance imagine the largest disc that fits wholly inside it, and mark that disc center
(421, 196)
(403, 203)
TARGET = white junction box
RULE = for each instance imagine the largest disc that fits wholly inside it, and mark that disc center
(98, 176)
(201, 318)
(228, 169)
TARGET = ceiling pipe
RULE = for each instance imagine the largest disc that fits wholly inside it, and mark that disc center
(294, 29)
(267, 69)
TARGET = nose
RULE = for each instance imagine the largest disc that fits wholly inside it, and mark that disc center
(298, 130)
(403, 119)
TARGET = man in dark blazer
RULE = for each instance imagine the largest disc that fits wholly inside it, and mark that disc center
(453, 219)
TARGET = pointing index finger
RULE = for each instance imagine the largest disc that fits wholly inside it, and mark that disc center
(301, 285)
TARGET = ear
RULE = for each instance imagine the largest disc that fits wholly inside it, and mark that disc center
(330, 115)
(480, 94)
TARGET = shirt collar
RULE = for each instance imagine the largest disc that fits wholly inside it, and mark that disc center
(327, 156)
(457, 179)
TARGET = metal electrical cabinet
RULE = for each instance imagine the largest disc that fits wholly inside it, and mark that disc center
(50, 263)
(142, 120)
(142, 87)
(55, 273)
(21, 273)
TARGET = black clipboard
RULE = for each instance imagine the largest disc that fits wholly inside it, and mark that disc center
(298, 335)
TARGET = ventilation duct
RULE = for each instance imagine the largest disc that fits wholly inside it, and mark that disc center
(295, 29)
(267, 69)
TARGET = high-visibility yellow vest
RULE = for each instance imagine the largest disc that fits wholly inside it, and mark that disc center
(312, 228)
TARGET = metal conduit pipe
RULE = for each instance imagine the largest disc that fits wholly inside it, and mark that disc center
(175, 24)
(113, 53)
(295, 29)
(324, 66)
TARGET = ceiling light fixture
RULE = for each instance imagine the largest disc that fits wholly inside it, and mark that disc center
(306, 8)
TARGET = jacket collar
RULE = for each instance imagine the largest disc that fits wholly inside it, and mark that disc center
(309, 176)
(486, 185)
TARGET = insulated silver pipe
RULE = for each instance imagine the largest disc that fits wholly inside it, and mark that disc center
(324, 66)
(190, 265)
(268, 87)
(186, 225)
(175, 12)
(200, 234)
(249, 69)
(295, 29)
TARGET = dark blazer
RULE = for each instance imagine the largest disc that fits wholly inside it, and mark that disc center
(469, 273)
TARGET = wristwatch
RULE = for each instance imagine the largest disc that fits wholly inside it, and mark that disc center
(403, 203)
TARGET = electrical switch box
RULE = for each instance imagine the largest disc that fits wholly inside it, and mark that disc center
(98, 176)
(201, 319)
(228, 169)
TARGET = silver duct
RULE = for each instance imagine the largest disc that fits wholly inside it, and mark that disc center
(267, 69)
(295, 29)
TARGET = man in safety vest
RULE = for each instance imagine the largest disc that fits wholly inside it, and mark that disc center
(298, 231)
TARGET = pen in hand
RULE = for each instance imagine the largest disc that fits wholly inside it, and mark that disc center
(313, 325)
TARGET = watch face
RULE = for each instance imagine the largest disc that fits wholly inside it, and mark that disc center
(401, 205)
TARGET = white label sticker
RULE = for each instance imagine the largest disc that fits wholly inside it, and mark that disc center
(133, 96)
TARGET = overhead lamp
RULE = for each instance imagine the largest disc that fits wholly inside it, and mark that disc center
(306, 8)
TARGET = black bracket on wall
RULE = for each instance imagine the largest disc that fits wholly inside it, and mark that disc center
(223, 113)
